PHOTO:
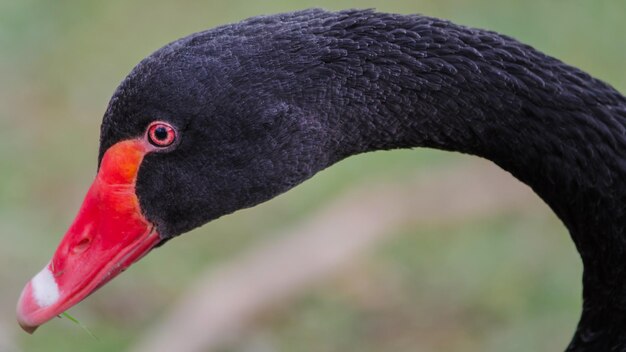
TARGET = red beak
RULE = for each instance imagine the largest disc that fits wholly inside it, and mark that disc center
(108, 235)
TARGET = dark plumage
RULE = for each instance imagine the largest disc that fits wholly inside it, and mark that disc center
(264, 104)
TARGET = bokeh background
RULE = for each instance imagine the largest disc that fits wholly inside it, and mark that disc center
(509, 281)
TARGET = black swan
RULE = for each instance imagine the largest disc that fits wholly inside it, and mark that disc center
(233, 116)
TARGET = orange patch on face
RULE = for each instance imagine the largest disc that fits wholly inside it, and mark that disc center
(121, 162)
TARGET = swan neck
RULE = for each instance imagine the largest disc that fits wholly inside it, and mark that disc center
(550, 125)
(449, 87)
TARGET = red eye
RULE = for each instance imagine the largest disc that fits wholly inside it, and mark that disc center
(161, 134)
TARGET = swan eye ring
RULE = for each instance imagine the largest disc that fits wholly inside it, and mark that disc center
(161, 134)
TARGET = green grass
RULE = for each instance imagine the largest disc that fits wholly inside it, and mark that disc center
(77, 322)
(496, 284)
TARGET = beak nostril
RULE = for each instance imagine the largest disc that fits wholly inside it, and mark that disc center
(81, 245)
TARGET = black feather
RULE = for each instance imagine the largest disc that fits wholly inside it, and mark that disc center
(264, 104)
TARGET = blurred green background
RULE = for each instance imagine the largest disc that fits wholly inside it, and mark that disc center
(500, 283)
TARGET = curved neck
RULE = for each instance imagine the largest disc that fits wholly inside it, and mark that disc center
(435, 84)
